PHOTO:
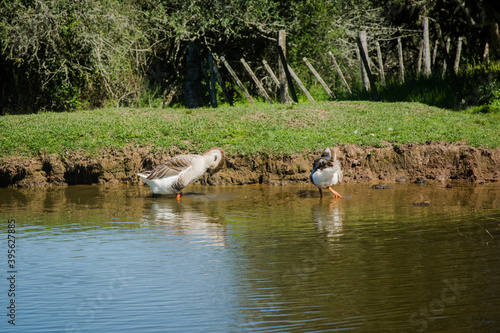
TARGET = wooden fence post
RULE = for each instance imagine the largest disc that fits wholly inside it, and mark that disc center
(238, 82)
(419, 60)
(282, 77)
(340, 72)
(363, 67)
(364, 58)
(380, 63)
(434, 53)
(400, 58)
(256, 80)
(271, 73)
(213, 90)
(457, 57)
(447, 57)
(486, 54)
(222, 85)
(286, 69)
(427, 48)
(296, 78)
(318, 77)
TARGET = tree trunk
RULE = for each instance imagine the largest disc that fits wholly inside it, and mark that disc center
(193, 94)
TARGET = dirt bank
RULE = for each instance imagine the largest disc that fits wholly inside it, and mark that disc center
(435, 161)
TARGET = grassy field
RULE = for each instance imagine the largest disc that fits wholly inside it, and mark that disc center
(245, 129)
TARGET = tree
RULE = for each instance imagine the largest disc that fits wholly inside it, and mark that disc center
(477, 21)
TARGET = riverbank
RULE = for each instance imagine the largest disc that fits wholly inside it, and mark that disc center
(268, 144)
(439, 162)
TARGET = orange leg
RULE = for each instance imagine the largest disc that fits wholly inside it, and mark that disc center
(178, 196)
(335, 194)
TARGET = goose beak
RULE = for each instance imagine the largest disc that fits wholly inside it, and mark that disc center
(213, 171)
(217, 168)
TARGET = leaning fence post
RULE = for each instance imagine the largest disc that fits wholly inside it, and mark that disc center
(238, 82)
(318, 77)
(256, 80)
(340, 72)
(271, 73)
(223, 85)
(296, 78)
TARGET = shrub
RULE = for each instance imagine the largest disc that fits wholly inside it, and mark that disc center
(63, 55)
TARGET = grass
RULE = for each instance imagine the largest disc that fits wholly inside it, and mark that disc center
(245, 129)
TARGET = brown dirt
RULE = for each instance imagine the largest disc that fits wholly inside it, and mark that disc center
(435, 162)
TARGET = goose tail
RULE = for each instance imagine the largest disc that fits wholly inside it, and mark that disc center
(144, 175)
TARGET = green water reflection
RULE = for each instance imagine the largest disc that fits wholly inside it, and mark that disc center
(372, 262)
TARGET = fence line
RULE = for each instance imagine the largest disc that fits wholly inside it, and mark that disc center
(287, 76)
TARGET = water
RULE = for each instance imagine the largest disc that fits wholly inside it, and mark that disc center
(253, 259)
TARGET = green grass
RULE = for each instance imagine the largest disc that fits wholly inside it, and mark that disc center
(245, 129)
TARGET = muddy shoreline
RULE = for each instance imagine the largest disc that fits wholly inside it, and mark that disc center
(440, 162)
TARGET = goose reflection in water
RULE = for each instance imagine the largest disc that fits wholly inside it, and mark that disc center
(329, 221)
(188, 220)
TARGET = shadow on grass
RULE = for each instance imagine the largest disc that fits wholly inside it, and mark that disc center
(477, 88)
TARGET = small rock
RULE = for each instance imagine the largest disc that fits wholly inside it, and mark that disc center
(420, 180)
(401, 179)
(449, 186)
(381, 186)
(422, 204)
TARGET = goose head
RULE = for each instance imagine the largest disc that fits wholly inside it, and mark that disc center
(328, 153)
(215, 158)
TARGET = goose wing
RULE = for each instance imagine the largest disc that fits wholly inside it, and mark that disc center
(172, 167)
(337, 168)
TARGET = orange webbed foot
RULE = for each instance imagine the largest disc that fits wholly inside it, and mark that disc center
(336, 195)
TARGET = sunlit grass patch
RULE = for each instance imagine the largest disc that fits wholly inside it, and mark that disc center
(246, 129)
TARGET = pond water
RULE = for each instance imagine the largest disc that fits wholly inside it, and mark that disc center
(252, 259)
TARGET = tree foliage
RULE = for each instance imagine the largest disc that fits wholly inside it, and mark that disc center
(62, 54)
(477, 21)
(69, 54)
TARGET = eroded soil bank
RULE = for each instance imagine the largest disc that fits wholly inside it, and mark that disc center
(435, 162)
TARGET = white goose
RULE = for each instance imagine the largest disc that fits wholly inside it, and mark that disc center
(327, 172)
(180, 171)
